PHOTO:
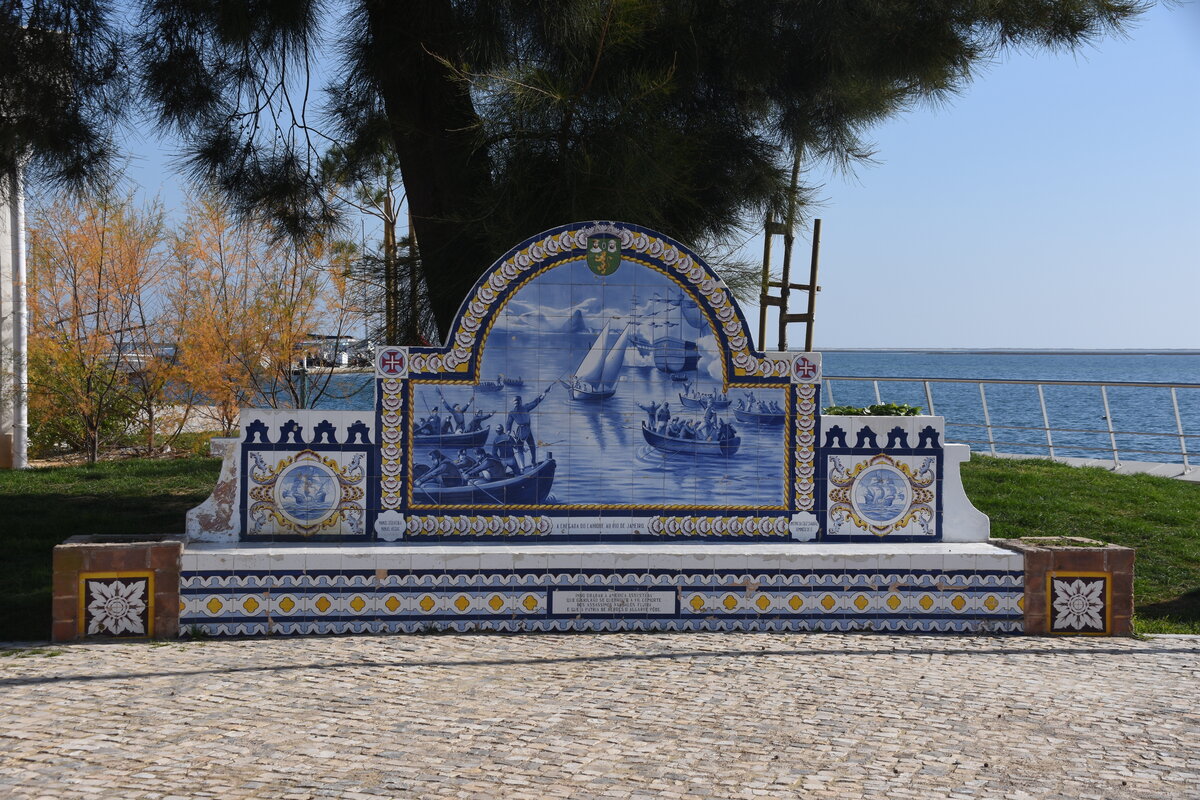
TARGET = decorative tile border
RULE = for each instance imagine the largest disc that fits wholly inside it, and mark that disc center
(552, 589)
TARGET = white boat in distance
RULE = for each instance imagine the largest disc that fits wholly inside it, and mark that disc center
(596, 377)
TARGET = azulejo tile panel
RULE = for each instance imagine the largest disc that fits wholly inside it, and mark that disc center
(598, 385)
(119, 604)
(1079, 602)
(307, 474)
(882, 478)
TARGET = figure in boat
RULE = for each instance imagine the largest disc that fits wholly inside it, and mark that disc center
(488, 467)
(464, 461)
(520, 424)
(504, 448)
(759, 412)
(486, 482)
(596, 377)
(477, 420)
(691, 397)
(709, 436)
(457, 414)
(432, 425)
(442, 473)
(651, 410)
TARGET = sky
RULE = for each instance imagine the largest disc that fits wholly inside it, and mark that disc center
(1055, 203)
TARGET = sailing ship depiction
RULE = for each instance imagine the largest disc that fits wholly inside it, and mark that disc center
(675, 354)
(596, 377)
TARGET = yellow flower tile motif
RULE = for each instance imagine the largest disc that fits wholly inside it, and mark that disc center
(730, 602)
(323, 603)
(828, 602)
(427, 603)
(250, 605)
(894, 601)
(182, 607)
(392, 603)
(1021, 602)
(287, 604)
(697, 602)
(796, 602)
(496, 603)
(763, 602)
(926, 602)
(358, 604)
(991, 602)
(462, 603)
(214, 605)
(530, 603)
(861, 602)
(958, 602)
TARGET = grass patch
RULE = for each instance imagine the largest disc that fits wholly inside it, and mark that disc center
(42, 507)
(1158, 516)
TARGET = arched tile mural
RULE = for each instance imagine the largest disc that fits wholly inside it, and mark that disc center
(599, 384)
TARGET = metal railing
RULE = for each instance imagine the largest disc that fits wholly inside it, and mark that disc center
(1045, 428)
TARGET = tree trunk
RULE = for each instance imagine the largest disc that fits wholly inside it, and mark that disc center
(434, 132)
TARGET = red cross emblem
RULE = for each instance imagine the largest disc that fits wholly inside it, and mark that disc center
(392, 362)
(804, 368)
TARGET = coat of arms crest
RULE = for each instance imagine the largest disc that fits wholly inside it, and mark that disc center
(604, 253)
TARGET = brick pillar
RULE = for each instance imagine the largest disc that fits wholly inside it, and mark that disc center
(116, 586)
(1076, 586)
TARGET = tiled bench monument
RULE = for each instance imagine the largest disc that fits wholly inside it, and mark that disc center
(598, 447)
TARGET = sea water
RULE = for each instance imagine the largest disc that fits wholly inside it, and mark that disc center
(1133, 409)
(1014, 409)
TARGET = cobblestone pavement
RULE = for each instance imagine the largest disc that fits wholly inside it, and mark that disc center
(674, 716)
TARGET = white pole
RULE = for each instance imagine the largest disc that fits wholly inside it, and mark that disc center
(20, 438)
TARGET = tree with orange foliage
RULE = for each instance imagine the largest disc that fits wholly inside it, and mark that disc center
(243, 305)
(94, 270)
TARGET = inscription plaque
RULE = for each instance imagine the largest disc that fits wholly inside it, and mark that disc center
(618, 603)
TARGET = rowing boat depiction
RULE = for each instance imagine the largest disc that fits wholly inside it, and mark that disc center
(531, 487)
(762, 418)
(465, 439)
(490, 386)
(516, 383)
(689, 401)
(703, 447)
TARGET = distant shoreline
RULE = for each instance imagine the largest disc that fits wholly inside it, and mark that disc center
(1009, 351)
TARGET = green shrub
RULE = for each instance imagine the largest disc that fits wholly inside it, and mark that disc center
(878, 410)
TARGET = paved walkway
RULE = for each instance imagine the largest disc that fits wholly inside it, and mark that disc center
(697, 715)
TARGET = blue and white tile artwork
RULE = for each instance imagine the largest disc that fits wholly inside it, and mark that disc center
(618, 379)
